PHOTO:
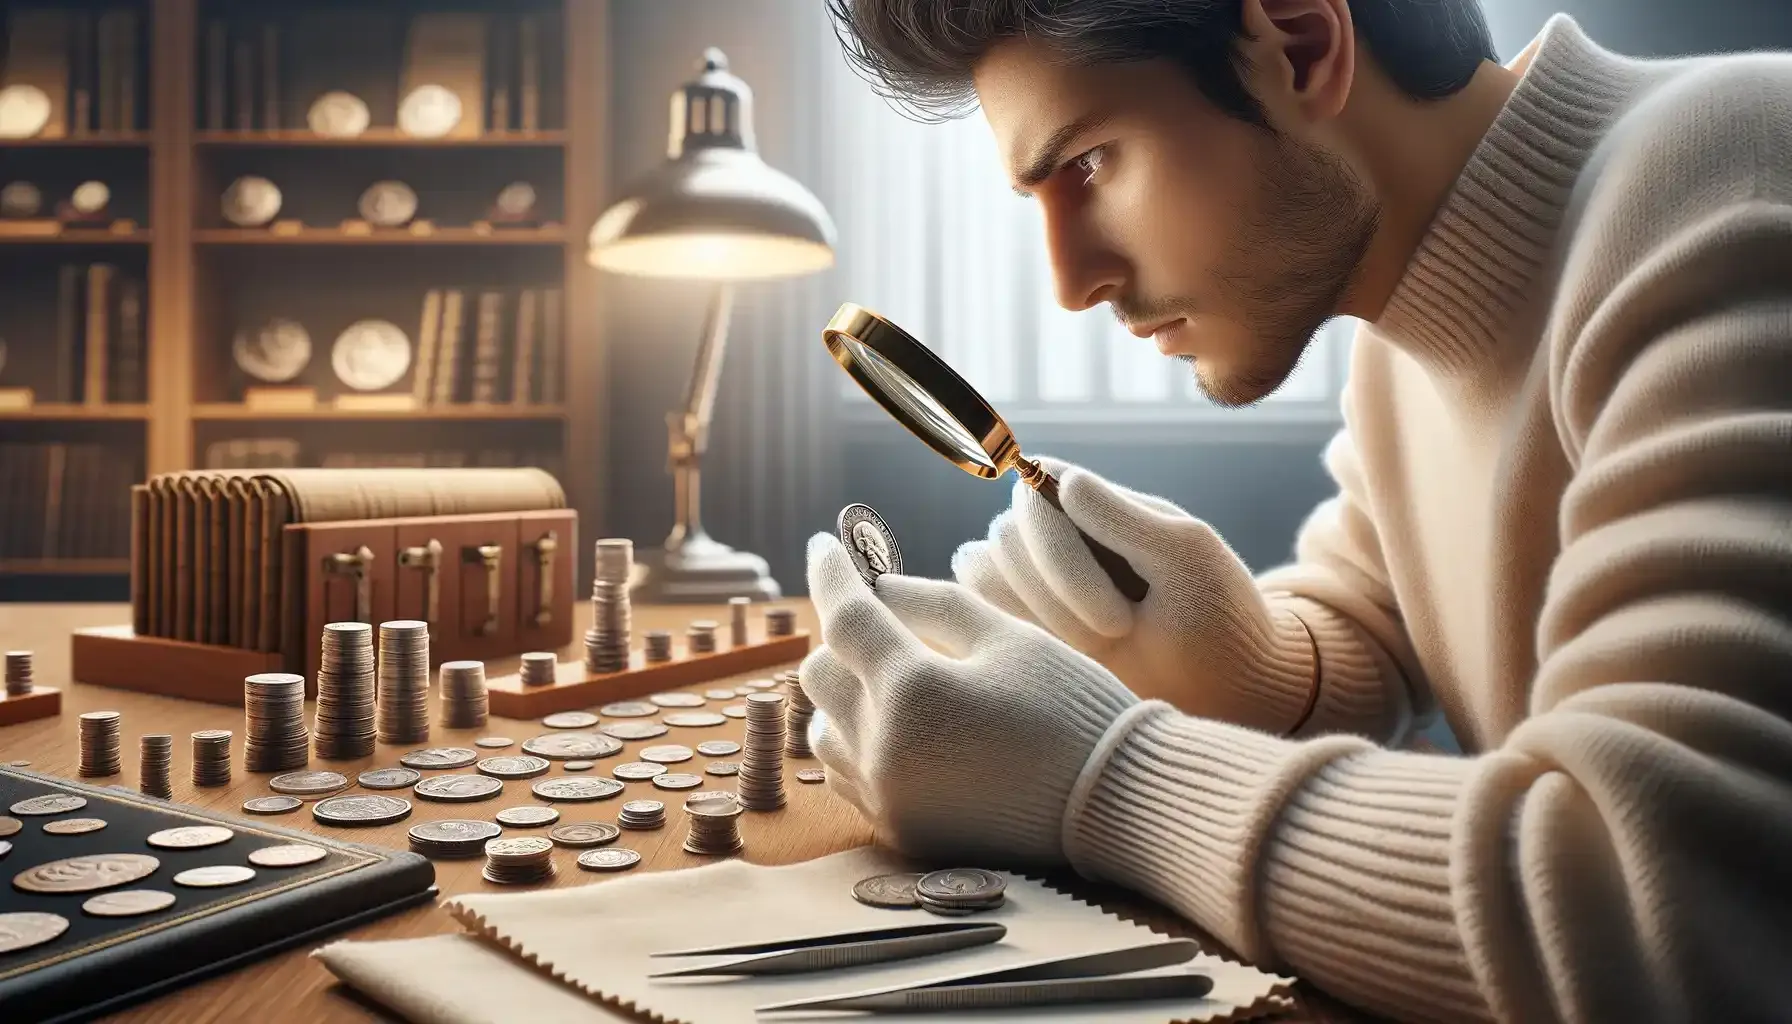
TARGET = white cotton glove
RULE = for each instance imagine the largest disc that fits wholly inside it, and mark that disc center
(1203, 639)
(970, 751)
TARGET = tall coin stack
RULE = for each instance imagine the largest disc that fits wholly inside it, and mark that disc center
(796, 719)
(780, 622)
(538, 668)
(761, 781)
(345, 675)
(701, 637)
(274, 735)
(18, 673)
(211, 757)
(658, 645)
(155, 753)
(606, 642)
(404, 681)
(737, 621)
(715, 827)
(99, 744)
(461, 689)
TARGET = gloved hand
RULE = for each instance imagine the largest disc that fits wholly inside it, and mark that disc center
(1204, 639)
(926, 744)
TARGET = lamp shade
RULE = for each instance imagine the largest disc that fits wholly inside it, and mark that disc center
(714, 209)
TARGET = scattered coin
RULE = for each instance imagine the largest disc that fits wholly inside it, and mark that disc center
(722, 768)
(128, 903)
(215, 876)
(636, 771)
(74, 826)
(388, 778)
(308, 783)
(290, 855)
(869, 541)
(518, 861)
(458, 789)
(272, 804)
(811, 775)
(694, 719)
(570, 720)
(669, 753)
(527, 816)
(628, 709)
(361, 810)
(718, 748)
(493, 742)
(633, 730)
(190, 837)
(672, 780)
(5, 848)
(8, 826)
(594, 787)
(614, 858)
(761, 684)
(52, 803)
(452, 837)
(742, 691)
(581, 834)
(676, 699)
(735, 711)
(564, 746)
(23, 931)
(719, 694)
(579, 766)
(439, 757)
(895, 892)
(86, 874)
(513, 766)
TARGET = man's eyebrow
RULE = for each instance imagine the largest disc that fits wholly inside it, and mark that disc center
(1045, 162)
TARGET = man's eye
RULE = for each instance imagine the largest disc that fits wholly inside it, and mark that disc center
(1089, 164)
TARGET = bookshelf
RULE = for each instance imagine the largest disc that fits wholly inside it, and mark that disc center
(446, 337)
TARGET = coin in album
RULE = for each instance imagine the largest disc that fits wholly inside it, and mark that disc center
(340, 115)
(20, 199)
(251, 201)
(371, 354)
(90, 197)
(24, 111)
(429, 112)
(273, 353)
(388, 204)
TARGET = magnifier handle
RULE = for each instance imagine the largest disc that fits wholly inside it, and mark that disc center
(1129, 582)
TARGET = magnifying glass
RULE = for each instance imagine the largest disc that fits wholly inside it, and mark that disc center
(938, 406)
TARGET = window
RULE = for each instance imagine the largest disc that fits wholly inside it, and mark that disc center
(931, 237)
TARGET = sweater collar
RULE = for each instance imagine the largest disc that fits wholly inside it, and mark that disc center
(1488, 247)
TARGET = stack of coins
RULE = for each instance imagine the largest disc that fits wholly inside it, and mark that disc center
(606, 642)
(538, 668)
(644, 815)
(18, 673)
(701, 637)
(345, 676)
(957, 892)
(659, 645)
(780, 622)
(761, 783)
(518, 861)
(403, 695)
(462, 691)
(796, 719)
(155, 753)
(274, 734)
(211, 757)
(715, 830)
(737, 621)
(99, 744)
(451, 838)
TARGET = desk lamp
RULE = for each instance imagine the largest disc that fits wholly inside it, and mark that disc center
(713, 211)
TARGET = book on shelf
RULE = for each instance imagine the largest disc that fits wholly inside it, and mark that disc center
(491, 346)
(65, 501)
(97, 338)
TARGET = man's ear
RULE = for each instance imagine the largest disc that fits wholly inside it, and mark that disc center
(1301, 56)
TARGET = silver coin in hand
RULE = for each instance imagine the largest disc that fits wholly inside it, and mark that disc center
(869, 541)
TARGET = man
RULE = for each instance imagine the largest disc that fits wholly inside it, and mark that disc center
(1564, 510)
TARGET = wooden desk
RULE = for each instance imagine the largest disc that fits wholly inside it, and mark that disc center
(814, 823)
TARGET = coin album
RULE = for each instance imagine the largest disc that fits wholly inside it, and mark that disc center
(99, 964)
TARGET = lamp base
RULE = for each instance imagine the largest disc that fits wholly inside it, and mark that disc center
(701, 571)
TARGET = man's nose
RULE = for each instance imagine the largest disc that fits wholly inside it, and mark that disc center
(1085, 271)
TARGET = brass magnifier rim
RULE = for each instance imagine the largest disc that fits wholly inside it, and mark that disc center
(952, 392)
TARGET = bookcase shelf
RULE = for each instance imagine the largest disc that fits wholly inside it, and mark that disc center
(64, 566)
(82, 236)
(97, 140)
(375, 138)
(228, 411)
(68, 411)
(546, 236)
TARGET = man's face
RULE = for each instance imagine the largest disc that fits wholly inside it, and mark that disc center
(1229, 244)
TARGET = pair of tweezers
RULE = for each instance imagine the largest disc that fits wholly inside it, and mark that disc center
(847, 949)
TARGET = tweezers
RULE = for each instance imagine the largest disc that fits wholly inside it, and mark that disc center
(1089, 978)
(846, 949)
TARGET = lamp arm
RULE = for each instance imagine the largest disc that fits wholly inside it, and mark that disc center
(706, 373)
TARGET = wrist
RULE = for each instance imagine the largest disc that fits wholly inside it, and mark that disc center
(1095, 766)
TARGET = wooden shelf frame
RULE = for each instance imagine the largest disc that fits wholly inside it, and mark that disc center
(233, 411)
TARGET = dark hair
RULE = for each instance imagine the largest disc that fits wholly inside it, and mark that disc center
(920, 53)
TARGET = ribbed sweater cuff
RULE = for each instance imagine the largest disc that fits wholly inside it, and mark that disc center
(1354, 692)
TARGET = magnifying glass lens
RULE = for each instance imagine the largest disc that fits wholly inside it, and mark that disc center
(890, 382)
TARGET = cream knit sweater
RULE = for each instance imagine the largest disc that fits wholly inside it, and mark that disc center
(1565, 515)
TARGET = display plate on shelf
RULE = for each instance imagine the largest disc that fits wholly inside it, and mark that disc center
(388, 204)
(20, 199)
(251, 201)
(371, 354)
(274, 353)
(24, 111)
(429, 112)
(338, 115)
